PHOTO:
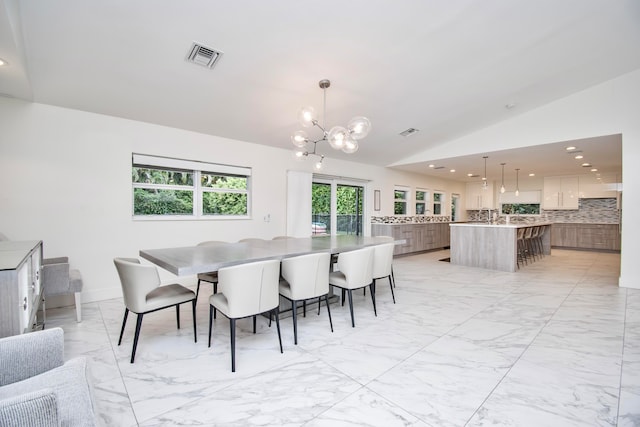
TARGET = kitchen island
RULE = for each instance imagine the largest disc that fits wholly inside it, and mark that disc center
(491, 246)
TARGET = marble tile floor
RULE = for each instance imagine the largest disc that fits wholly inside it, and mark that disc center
(554, 344)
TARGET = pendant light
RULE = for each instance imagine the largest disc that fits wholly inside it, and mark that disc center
(484, 178)
(517, 183)
(502, 189)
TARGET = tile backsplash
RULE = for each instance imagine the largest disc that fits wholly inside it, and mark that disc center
(590, 211)
(404, 219)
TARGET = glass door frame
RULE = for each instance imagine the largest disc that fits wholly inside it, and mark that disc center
(335, 182)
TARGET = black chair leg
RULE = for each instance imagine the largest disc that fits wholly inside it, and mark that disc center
(215, 291)
(326, 300)
(319, 299)
(210, 322)
(294, 314)
(277, 313)
(353, 323)
(254, 324)
(178, 315)
(391, 286)
(232, 326)
(343, 292)
(373, 296)
(393, 277)
(124, 322)
(135, 337)
(195, 332)
(198, 289)
(304, 308)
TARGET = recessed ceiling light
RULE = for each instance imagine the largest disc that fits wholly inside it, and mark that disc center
(469, 175)
(594, 170)
(452, 170)
(532, 174)
(586, 165)
(3, 62)
(579, 156)
(570, 148)
(432, 166)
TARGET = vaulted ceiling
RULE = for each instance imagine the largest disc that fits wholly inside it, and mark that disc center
(446, 68)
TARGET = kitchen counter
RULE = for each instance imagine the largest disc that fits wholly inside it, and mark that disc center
(413, 237)
(491, 246)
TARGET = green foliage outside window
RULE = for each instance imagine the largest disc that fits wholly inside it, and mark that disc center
(521, 208)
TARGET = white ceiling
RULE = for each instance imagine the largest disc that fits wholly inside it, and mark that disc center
(447, 68)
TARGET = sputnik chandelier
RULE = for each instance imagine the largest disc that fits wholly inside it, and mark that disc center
(340, 138)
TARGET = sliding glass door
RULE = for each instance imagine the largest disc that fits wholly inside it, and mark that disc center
(337, 207)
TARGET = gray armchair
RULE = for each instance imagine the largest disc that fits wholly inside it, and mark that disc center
(37, 388)
(59, 279)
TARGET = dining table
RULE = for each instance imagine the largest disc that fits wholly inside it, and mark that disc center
(191, 260)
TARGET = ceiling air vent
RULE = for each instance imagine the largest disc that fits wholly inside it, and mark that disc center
(205, 56)
(409, 132)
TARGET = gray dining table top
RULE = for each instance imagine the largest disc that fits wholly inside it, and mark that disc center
(189, 260)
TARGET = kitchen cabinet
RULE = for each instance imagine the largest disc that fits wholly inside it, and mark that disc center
(560, 192)
(415, 237)
(599, 187)
(20, 286)
(478, 197)
(586, 236)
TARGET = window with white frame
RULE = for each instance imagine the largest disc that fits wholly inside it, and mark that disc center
(422, 201)
(177, 189)
(438, 203)
(401, 199)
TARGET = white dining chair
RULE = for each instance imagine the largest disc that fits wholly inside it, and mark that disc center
(210, 277)
(143, 294)
(355, 271)
(305, 277)
(246, 290)
(383, 265)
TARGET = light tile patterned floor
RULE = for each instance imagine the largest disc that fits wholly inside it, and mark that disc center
(555, 344)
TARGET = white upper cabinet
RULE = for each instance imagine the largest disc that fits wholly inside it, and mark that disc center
(561, 192)
(479, 197)
(597, 187)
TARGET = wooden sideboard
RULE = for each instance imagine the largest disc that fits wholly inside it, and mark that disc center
(20, 286)
(415, 237)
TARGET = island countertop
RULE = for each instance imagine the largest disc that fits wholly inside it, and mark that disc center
(510, 225)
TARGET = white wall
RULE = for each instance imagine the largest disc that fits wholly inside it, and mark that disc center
(609, 108)
(66, 178)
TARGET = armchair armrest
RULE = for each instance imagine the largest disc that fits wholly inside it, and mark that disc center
(27, 355)
(38, 408)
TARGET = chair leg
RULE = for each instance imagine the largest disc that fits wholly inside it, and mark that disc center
(372, 286)
(178, 315)
(294, 315)
(277, 313)
(232, 326)
(210, 322)
(195, 333)
(353, 323)
(343, 291)
(124, 322)
(393, 277)
(391, 286)
(304, 308)
(198, 289)
(215, 291)
(78, 307)
(135, 337)
(326, 300)
(319, 299)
